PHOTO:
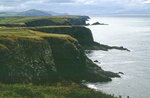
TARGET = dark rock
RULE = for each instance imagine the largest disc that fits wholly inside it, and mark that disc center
(97, 46)
(96, 61)
(97, 23)
(121, 73)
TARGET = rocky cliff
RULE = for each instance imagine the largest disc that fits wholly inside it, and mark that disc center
(39, 58)
(81, 33)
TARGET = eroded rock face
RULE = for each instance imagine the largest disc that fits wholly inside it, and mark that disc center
(46, 60)
(25, 60)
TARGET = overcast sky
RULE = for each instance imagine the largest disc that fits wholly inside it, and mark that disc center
(79, 6)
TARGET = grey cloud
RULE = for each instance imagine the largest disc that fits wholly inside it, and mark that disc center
(61, 1)
(77, 6)
(13, 2)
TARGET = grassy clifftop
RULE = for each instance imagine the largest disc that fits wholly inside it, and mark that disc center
(43, 21)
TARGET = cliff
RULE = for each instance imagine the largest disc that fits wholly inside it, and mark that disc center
(60, 25)
(34, 57)
(43, 21)
(81, 33)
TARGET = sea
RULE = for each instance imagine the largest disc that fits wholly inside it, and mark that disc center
(132, 32)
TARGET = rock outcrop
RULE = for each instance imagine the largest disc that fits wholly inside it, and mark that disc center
(39, 58)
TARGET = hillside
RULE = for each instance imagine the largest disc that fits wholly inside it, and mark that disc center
(43, 21)
(31, 12)
(24, 52)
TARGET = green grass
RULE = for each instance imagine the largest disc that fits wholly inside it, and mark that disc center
(31, 91)
(26, 33)
(57, 19)
(42, 21)
(12, 34)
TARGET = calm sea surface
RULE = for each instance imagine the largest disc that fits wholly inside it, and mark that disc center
(132, 32)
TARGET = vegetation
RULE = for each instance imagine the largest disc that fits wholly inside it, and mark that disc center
(30, 91)
(27, 33)
(43, 21)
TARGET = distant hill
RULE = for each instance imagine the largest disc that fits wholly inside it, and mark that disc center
(32, 12)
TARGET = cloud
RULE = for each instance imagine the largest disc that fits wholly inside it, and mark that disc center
(147, 1)
(78, 6)
(5, 7)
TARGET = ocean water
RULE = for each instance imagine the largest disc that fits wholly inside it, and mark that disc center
(132, 32)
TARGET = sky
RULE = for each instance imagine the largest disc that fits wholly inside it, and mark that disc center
(79, 7)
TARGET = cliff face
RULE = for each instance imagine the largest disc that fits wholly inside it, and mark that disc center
(41, 58)
(24, 60)
(82, 34)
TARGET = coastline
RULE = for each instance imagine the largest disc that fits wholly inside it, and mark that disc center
(39, 48)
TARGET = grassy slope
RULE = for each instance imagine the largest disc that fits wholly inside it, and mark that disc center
(25, 33)
(58, 91)
(11, 20)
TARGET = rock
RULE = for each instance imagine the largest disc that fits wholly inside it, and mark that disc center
(96, 61)
(121, 73)
(96, 23)
(98, 46)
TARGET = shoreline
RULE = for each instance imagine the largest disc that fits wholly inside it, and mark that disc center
(56, 52)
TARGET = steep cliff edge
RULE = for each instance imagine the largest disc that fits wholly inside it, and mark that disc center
(39, 58)
(81, 33)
